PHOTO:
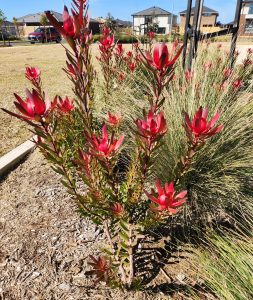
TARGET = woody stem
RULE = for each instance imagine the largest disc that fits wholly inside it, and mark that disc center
(109, 238)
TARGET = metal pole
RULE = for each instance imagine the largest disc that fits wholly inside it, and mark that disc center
(186, 29)
(194, 32)
(171, 17)
(236, 29)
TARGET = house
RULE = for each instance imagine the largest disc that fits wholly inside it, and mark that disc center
(246, 21)
(32, 21)
(153, 18)
(208, 19)
(8, 29)
(123, 24)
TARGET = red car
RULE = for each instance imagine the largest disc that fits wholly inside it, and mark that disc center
(43, 35)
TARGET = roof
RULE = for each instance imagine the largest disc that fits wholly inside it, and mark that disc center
(7, 23)
(153, 11)
(205, 10)
(123, 23)
(35, 18)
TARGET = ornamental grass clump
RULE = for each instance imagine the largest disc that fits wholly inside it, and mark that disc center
(111, 152)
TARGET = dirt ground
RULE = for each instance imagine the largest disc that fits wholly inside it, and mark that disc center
(44, 244)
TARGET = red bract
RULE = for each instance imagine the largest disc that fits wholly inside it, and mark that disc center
(153, 126)
(100, 268)
(250, 51)
(166, 198)
(151, 35)
(200, 128)
(34, 108)
(132, 66)
(129, 54)
(32, 74)
(237, 84)
(121, 77)
(104, 147)
(117, 209)
(106, 31)
(71, 25)
(227, 72)
(71, 70)
(161, 59)
(106, 43)
(114, 120)
(66, 105)
(119, 50)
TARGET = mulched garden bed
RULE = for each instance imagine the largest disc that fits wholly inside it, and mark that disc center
(45, 245)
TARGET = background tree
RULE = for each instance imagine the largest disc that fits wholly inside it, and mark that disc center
(110, 22)
(2, 20)
(44, 23)
(15, 22)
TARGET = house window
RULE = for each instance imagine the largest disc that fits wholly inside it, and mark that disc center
(251, 9)
(206, 14)
(161, 30)
(148, 19)
(249, 26)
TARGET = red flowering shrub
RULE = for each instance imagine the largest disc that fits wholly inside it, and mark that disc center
(113, 196)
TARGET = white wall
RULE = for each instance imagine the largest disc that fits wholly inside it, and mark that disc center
(136, 24)
(162, 21)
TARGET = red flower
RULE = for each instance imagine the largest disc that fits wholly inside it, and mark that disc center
(71, 25)
(66, 105)
(119, 49)
(237, 84)
(117, 209)
(121, 77)
(34, 108)
(106, 31)
(129, 54)
(200, 128)
(132, 66)
(247, 62)
(227, 72)
(104, 147)
(32, 74)
(151, 35)
(166, 198)
(250, 51)
(188, 75)
(106, 43)
(71, 70)
(114, 120)
(161, 59)
(100, 268)
(153, 126)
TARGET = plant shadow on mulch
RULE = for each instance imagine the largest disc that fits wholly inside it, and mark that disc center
(165, 261)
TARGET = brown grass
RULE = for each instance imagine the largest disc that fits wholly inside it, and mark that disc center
(50, 59)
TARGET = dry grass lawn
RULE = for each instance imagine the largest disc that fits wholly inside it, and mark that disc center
(50, 59)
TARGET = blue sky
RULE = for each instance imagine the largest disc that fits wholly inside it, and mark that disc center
(118, 8)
